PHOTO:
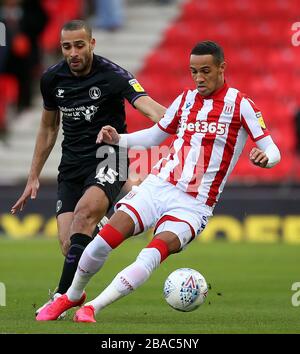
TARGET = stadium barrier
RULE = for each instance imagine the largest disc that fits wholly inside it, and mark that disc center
(244, 214)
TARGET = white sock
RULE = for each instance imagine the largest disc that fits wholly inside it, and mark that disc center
(92, 259)
(128, 279)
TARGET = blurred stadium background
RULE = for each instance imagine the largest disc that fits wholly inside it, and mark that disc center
(259, 211)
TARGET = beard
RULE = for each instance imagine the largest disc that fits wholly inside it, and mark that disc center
(80, 65)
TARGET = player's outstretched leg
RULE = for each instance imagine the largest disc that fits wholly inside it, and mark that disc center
(127, 280)
(92, 259)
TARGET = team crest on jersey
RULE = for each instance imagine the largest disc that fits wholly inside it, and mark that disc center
(94, 92)
(260, 120)
(136, 85)
(228, 108)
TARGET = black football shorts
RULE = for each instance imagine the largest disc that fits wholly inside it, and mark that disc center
(109, 179)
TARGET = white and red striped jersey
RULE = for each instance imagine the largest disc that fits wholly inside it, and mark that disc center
(210, 135)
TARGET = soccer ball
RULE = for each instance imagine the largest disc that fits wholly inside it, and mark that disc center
(185, 289)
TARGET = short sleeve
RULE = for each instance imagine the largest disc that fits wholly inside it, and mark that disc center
(169, 122)
(252, 120)
(124, 84)
(45, 86)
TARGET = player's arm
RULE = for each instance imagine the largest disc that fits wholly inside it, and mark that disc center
(143, 138)
(266, 154)
(146, 137)
(150, 108)
(45, 141)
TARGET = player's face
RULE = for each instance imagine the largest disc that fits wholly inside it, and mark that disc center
(77, 48)
(207, 75)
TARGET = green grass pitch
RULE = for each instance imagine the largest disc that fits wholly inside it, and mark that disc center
(250, 289)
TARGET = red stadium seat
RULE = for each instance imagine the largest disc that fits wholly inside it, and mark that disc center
(59, 12)
(9, 88)
(9, 95)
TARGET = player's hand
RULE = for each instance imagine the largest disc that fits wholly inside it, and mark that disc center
(31, 191)
(108, 135)
(258, 157)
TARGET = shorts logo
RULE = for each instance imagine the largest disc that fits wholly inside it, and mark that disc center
(136, 85)
(130, 195)
(94, 92)
(58, 205)
(60, 93)
(203, 224)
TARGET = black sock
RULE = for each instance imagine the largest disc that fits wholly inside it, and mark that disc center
(78, 244)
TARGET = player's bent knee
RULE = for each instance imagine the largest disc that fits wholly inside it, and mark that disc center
(132, 216)
(177, 233)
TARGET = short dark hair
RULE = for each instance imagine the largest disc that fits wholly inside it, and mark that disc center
(76, 25)
(209, 47)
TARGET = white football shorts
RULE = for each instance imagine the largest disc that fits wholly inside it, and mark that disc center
(159, 204)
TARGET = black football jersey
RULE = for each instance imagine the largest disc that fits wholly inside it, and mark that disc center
(87, 103)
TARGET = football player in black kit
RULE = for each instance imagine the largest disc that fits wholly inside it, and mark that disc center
(87, 92)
